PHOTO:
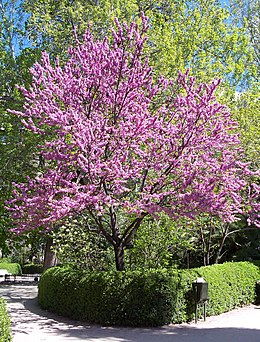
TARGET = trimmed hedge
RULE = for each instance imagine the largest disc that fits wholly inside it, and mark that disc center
(122, 298)
(230, 285)
(12, 268)
(5, 324)
(145, 298)
(32, 268)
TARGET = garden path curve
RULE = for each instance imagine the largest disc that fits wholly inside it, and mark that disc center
(32, 324)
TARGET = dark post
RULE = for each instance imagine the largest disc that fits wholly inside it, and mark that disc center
(188, 258)
(200, 290)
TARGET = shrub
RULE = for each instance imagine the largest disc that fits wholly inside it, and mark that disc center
(12, 268)
(32, 268)
(8, 260)
(122, 298)
(145, 298)
(231, 284)
(5, 324)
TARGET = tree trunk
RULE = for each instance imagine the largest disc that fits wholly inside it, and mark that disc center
(223, 239)
(209, 245)
(50, 258)
(119, 257)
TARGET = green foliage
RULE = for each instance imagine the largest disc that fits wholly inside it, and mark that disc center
(246, 13)
(184, 34)
(145, 298)
(12, 268)
(123, 298)
(81, 247)
(246, 110)
(230, 285)
(165, 243)
(214, 241)
(183, 309)
(160, 243)
(26, 248)
(244, 245)
(257, 287)
(5, 324)
(5, 260)
(32, 268)
(17, 145)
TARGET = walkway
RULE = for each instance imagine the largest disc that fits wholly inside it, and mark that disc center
(31, 324)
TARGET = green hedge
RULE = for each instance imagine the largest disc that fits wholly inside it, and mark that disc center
(5, 324)
(8, 260)
(145, 298)
(123, 298)
(32, 268)
(230, 285)
(12, 268)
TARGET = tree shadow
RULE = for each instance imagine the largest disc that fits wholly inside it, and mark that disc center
(66, 328)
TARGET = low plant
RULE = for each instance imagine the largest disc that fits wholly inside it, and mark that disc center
(32, 268)
(12, 268)
(5, 324)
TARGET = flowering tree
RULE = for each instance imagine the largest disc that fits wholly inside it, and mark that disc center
(121, 145)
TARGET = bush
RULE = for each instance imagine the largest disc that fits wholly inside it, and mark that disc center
(122, 298)
(231, 284)
(32, 268)
(145, 298)
(12, 268)
(8, 260)
(5, 324)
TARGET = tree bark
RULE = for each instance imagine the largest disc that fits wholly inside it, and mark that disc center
(50, 258)
(119, 257)
(223, 239)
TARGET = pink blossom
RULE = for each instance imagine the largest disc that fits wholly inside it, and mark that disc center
(122, 140)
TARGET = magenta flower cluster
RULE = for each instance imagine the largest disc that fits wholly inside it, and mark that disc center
(117, 139)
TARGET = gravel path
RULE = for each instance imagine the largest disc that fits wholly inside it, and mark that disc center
(32, 324)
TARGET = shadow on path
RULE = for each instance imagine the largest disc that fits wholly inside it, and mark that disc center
(31, 323)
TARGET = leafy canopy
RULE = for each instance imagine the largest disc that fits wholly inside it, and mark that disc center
(196, 34)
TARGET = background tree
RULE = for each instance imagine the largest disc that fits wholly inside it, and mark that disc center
(247, 13)
(161, 243)
(245, 103)
(246, 109)
(124, 146)
(215, 241)
(17, 146)
(78, 244)
(183, 34)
